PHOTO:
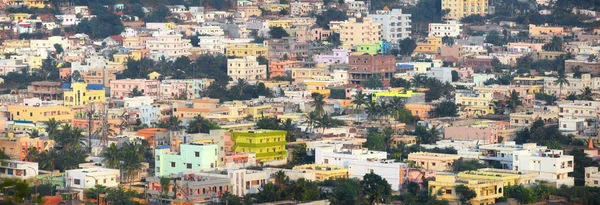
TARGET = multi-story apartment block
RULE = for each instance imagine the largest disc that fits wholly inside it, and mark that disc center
(592, 177)
(552, 165)
(459, 9)
(192, 187)
(433, 161)
(269, 145)
(169, 45)
(324, 171)
(475, 103)
(487, 191)
(18, 169)
(246, 68)
(431, 45)
(526, 119)
(122, 88)
(395, 173)
(243, 50)
(574, 87)
(29, 3)
(12, 65)
(45, 90)
(338, 56)
(18, 148)
(305, 8)
(39, 113)
(193, 156)
(83, 94)
(545, 30)
(579, 109)
(508, 177)
(395, 25)
(209, 31)
(303, 74)
(343, 156)
(245, 181)
(353, 33)
(364, 67)
(450, 29)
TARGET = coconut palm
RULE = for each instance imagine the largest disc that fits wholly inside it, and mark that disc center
(310, 119)
(173, 123)
(51, 127)
(165, 183)
(241, 85)
(318, 104)
(560, 81)
(290, 129)
(281, 180)
(324, 122)
(111, 157)
(359, 99)
(514, 100)
(372, 110)
(419, 80)
(431, 136)
(34, 133)
(132, 157)
(587, 94)
(388, 134)
(48, 159)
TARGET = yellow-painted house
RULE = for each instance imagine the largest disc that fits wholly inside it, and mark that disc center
(487, 191)
(154, 76)
(431, 45)
(18, 16)
(81, 95)
(286, 23)
(508, 177)
(318, 87)
(269, 145)
(275, 7)
(40, 114)
(243, 50)
(35, 61)
(29, 3)
(324, 171)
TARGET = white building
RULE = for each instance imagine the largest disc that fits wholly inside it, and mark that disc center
(169, 44)
(209, 30)
(138, 101)
(579, 109)
(395, 173)
(18, 169)
(395, 25)
(443, 74)
(571, 124)
(342, 156)
(551, 165)
(244, 181)
(450, 29)
(211, 44)
(11, 65)
(246, 68)
(82, 179)
(592, 177)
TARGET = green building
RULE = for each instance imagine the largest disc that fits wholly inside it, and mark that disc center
(269, 145)
(194, 156)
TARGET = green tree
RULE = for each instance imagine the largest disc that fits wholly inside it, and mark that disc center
(560, 81)
(318, 104)
(59, 49)
(334, 39)
(446, 109)
(587, 94)
(373, 83)
(201, 125)
(359, 99)
(514, 100)
(554, 45)
(464, 193)
(494, 38)
(377, 190)
(229, 199)
(278, 32)
(94, 193)
(455, 76)
(112, 156)
(132, 157)
(346, 191)
(375, 141)
(407, 46)
(329, 15)
(467, 165)
(136, 92)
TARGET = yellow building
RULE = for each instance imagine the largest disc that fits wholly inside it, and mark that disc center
(508, 177)
(285, 23)
(18, 16)
(80, 95)
(29, 3)
(459, 9)
(275, 7)
(154, 76)
(391, 94)
(269, 145)
(430, 45)
(474, 105)
(260, 111)
(42, 113)
(320, 87)
(302, 74)
(433, 161)
(487, 191)
(545, 30)
(243, 50)
(353, 33)
(324, 171)
(34, 61)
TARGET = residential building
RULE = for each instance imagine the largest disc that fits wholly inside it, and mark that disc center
(343, 156)
(592, 177)
(475, 103)
(487, 191)
(460, 9)
(338, 56)
(199, 187)
(247, 68)
(18, 148)
(574, 86)
(169, 45)
(480, 133)
(508, 177)
(572, 125)
(364, 67)
(39, 113)
(579, 109)
(395, 25)
(122, 88)
(443, 74)
(193, 156)
(324, 171)
(450, 29)
(431, 45)
(354, 33)
(395, 173)
(45, 90)
(433, 161)
(12, 65)
(29, 3)
(526, 119)
(248, 49)
(269, 145)
(552, 165)
(83, 93)
(82, 179)
(18, 169)
(544, 30)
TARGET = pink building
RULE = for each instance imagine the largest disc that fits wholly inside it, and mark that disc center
(521, 47)
(338, 56)
(465, 73)
(486, 134)
(418, 175)
(122, 88)
(175, 90)
(320, 34)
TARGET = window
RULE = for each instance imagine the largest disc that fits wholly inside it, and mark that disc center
(189, 165)
(172, 164)
(77, 181)
(595, 181)
(448, 191)
(197, 154)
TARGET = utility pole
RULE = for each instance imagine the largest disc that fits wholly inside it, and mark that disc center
(90, 114)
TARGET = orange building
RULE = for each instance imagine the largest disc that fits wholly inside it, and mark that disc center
(18, 149)
(421, 111)
(149, 134)
(201, 106)
(278, 68)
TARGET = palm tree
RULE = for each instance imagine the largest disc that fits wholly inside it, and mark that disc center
(318, 104)
(310, 119)
(51, 127)
(587, 94)
(281, 180)
(372, 110)
(388, 134)
(173, 123)
(112, 157)
(32, 154)
(290, 128)
(34, 133)
(419, 80)
(241, 85)
(324, 122)
(514, 101)
(432, 135)
(76, 76)
(560, 81)
(48, 159)
(165, 183)
(94, 193)
(359, 99)
(132, 158)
